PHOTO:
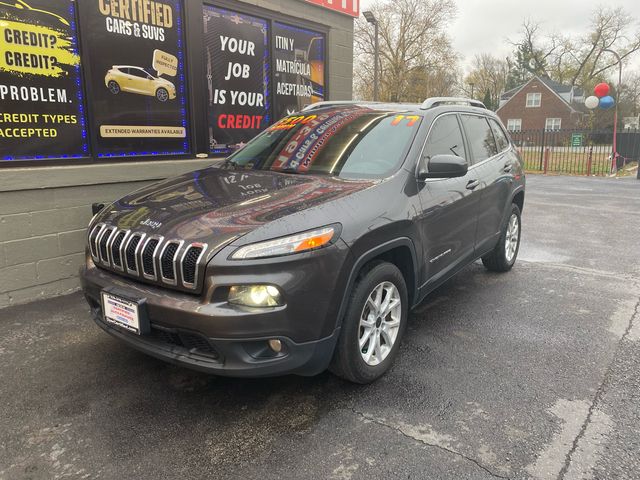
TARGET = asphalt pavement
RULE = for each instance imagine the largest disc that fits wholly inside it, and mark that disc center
(530, 374)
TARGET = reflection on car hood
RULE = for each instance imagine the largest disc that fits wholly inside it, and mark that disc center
(215, 206)
(164, 81)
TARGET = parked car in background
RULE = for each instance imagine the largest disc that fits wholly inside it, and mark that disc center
(307, 248)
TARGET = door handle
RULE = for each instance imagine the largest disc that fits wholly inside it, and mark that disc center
(472, 184)
(507, 168)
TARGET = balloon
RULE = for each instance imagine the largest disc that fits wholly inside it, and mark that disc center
(607, 102)
(592, 102)
(601, 90)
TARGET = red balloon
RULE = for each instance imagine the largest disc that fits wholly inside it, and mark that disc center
(601, 90)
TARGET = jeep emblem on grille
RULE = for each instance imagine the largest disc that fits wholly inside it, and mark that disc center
(151, 223)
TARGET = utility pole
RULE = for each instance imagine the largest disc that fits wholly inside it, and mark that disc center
(614, 160)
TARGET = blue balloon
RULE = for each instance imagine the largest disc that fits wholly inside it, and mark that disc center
(607, 102)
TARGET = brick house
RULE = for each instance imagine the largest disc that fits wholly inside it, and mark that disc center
(542, 103)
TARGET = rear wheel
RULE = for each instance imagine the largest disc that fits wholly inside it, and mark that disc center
(373, 326)
(113, 87)
(503, 256)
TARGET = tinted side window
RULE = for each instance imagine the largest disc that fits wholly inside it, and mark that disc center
(138, 73)
(501, 139)
(445, 138)
(480, 137)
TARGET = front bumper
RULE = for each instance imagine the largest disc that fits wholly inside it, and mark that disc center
(236, 358)
(206, 333)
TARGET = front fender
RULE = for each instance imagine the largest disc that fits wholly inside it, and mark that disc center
(364, 257)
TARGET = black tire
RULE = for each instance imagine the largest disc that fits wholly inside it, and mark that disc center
(348, 361)
(498, 260)
(162, 94)
(114, 87)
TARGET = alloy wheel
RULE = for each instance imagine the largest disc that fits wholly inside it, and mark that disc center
(512, 237)
(162, 95)
(379, 323)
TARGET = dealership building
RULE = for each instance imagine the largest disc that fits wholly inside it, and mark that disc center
(102, 97)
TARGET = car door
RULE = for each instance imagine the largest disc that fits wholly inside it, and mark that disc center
(140, 80)
(127, 81)
(449, 206)
(492, 167)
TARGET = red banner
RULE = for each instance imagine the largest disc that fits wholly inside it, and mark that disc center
(348, 7)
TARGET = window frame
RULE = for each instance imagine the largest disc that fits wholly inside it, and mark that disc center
(553, 128)
(465, 144)
(499, 126)
(534, 96)
(518, 120)
(466, 135)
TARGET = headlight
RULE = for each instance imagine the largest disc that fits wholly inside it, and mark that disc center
(300, 242)
(255, 295)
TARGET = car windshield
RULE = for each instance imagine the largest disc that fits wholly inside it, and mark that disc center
(357, 143)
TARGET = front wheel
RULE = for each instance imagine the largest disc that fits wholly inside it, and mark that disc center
(162, 95)
(503, 256)
(373, 326)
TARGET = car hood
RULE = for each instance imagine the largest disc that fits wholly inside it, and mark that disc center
(216, 206)
(164, 81)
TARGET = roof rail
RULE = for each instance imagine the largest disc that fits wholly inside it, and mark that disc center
(393, 106)
(437, 101)
(328, 103)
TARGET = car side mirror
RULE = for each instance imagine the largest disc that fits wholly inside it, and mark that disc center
(442, 166)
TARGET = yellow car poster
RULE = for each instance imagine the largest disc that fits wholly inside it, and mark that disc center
(136, 77)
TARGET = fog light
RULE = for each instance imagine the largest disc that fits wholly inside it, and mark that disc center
(255, 295)
(275, 345)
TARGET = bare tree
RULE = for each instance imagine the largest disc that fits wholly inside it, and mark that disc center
(580, 61)
(630, 95)
(416, 57)
(488, 76)
(610, 29)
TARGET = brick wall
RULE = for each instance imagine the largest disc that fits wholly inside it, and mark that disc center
(534, 118)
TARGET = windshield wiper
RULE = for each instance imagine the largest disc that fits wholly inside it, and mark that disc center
(292, 170)
(228, 164)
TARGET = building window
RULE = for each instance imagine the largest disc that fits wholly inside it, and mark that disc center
(553, 124)
(514, 124)
(534, 99)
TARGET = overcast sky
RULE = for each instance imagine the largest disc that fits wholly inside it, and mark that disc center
(485, 25)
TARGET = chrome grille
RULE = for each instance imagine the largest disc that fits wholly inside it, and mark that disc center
(93, 240)
(190, 260)
(148, 258)
(171, 262)
(116, 256)
(168, 258)
(131, 252)
(103, 240)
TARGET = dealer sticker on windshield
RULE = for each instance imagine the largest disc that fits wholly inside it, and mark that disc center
(121, 312)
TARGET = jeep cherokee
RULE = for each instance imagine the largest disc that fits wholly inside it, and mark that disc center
(305, 249)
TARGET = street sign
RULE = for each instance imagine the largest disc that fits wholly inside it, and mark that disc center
(576, 139)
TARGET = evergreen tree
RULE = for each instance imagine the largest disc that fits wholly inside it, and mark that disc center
(488, 101)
